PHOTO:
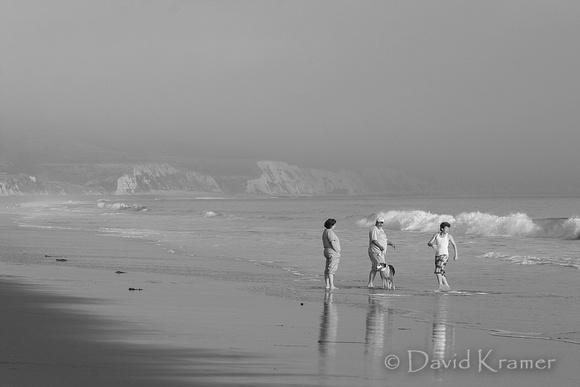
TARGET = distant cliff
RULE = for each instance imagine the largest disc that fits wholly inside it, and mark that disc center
(192, 175)
(21, 184)
(279, 178)
(164, 177)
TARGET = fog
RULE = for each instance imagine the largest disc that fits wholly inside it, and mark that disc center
(480, 91)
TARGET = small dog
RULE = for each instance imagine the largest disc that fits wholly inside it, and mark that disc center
(387, 275)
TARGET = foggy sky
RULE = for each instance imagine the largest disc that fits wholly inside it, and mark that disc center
(485, 91)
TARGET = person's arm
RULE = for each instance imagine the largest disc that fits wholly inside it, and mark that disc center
(389, 243)
(334, 242)
(456, 257)
(376, 243)
(430, 243)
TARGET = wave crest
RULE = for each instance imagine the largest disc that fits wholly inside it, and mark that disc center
(121, 206)
(478, 223)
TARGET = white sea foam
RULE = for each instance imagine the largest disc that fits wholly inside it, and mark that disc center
(129, 233)
(478, 223)
(120, 206)
(532, 260)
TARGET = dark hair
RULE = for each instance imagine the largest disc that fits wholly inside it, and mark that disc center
(444, 224)
(329, 223)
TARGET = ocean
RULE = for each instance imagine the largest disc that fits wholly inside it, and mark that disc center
(519, 258)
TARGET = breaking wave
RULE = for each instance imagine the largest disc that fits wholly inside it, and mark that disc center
(121, 206)
(478, 223)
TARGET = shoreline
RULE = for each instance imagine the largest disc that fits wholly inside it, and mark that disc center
(197, 330)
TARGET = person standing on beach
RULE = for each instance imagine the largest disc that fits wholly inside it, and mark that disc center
(440, 243)
(378, 244)
(331, 253)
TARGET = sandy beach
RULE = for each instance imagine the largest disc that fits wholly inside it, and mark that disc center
(67, 326)
(168, 170)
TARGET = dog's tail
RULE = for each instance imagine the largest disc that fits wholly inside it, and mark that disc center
(392, 269)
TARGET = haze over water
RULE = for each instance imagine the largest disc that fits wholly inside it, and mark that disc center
(477, 95)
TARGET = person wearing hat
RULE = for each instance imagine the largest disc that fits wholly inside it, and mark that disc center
(378, 243)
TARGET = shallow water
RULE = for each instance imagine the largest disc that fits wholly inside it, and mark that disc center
(518, 256)
(516, 279)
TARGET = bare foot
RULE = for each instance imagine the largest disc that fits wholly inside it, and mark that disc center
(334, 288)
(370, 286)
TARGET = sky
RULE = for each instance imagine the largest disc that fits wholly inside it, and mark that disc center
(479, 91)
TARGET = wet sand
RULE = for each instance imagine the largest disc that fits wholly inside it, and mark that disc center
(66, 326)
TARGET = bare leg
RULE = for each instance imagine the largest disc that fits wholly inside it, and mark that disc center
(327, 280)
(331, 281)
(442, 284)
(372, 275)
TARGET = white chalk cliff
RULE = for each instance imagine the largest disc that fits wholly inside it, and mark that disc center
(164, 177)
(279, 178)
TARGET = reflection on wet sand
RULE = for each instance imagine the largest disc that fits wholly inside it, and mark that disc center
(442, 335)
(328, 332)
(379, 330)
